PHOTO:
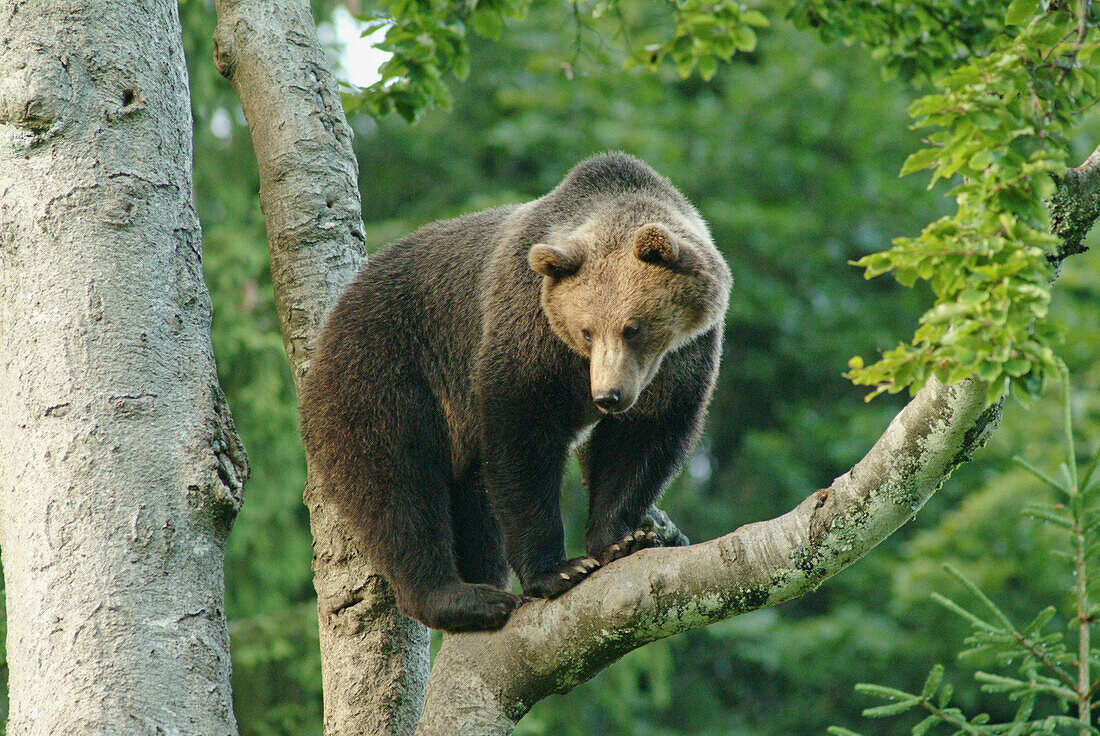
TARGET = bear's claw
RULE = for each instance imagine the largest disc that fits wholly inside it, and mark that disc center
(636, 540)
(559, 578)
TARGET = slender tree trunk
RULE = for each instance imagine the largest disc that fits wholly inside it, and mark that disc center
(374, 661)
(120, 470)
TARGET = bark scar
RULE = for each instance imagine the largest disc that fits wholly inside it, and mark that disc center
(820, 518)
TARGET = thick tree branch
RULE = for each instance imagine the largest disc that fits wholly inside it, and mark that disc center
(374, 661)
(553, 646)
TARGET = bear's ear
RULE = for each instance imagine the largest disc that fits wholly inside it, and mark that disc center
(552, 261)
(655, 244)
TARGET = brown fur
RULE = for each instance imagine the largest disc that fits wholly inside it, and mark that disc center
(458, 369)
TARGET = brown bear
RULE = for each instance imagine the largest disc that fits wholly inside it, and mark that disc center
(458, 370)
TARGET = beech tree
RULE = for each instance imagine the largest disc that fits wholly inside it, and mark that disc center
(112, 407)
(122, 472)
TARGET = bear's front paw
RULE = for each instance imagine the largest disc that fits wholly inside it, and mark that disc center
(464, 607)
(636, 540)
(561, 577)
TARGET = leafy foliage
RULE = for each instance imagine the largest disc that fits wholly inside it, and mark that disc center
(1047, 672)
(1009, 82)
(705, 33)
(427, 41)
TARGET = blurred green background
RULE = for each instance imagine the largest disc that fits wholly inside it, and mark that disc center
(791, 153)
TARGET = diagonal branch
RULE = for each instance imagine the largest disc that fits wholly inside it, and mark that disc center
(553, 646)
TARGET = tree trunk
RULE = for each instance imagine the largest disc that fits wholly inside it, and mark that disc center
(374, 661)
(120, 470)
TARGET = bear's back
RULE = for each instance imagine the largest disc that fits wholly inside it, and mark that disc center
(414, 307)
(426, 284)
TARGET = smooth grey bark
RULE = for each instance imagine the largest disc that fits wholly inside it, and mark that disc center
(374, 661)
(120, 470)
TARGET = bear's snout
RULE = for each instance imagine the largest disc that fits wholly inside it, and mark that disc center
(609, 401)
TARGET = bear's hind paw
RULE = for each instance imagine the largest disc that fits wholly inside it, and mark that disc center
(469, 607)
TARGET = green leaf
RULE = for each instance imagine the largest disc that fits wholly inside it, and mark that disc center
(1020, 11)
(920, 160)
(1040, 620)
(989, 371)
(956, 608)
(893, 709)
(881, 691)
(1039, 474)
(708, 65)
(744, 38)
(945, 695)
(487, 23)
(977, 593)
(932, 683)
(1048, 516)
(923, 727)
(754, 18)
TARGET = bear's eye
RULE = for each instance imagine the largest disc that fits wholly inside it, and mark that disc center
(630, 331)
(586, 335)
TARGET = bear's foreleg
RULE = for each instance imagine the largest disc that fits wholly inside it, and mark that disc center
(630, 458)
(523, 469)
(627, 464)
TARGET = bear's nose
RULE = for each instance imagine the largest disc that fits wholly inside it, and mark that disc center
(608, 400)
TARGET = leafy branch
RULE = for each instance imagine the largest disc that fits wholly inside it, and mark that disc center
(1005, 90)
(428, 42)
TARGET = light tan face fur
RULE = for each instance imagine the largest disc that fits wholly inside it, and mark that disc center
(622, 312)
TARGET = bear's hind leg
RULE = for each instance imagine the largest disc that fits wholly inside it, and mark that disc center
(395, 483)
(478, 539)
(419, 554)
(416, 553)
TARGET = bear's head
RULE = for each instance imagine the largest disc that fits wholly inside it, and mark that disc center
(625, 297)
